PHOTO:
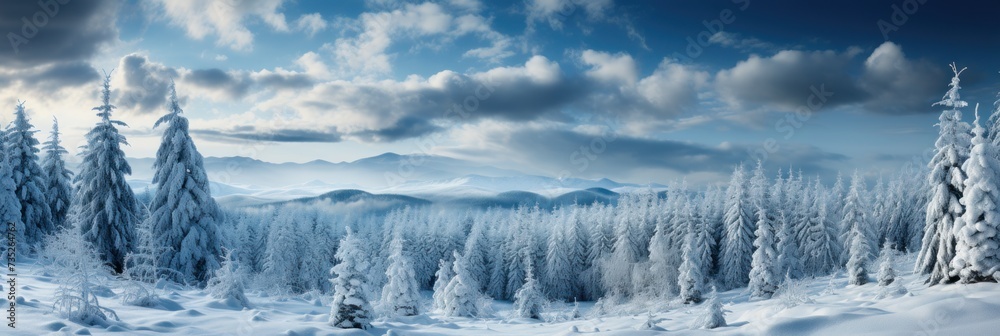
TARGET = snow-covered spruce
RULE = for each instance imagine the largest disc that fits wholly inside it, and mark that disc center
(946, 181)
(227, 283)
(442, 277)
(692, 270)
(767, 267)
(737, 246)
(58, 179)
(977, 248)
(529, 301)
(714, 315)
(29, 181)
(401, 294)
(461, 296)
(183, 211)
(857, 264)
(105, 207)
(350, 307)
(10, 207)
(886, 273)
(820, 247)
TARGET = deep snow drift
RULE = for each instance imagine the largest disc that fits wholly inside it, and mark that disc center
(822, 306)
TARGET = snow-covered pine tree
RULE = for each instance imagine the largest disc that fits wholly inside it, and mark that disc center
(821, 246)
(625, 253)
(660, 261)
(693, 269)
(855, 211)
(461, 296)
(977, 250)
(577, 250)
(58, 179)
(22, 152)
(442, 277)
(946, 179)
(284, 252)
(401, 294)
(183, 211)
(788, 253)
(520, 247)
(104, 206)
(350, 308)
(757, 193)
(857, 262)
(227, 283)
(836, 198)
(559, 281)
(886, 273)
(10, 207)
(497, 284)
(737, 246)
(321, 245)
(477, 252)
(529, 302)
(714, 315)
(767, 267)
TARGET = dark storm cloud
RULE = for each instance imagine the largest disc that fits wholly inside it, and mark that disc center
(247, 133)
(403, 129)
(787, 79)
(56, 31)
(146, 84)
(233, 86)
(888, 83)
(50, 78)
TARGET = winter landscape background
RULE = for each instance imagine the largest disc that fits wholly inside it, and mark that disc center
(460, 167)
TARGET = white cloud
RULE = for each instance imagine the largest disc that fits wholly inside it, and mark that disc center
(311, 23)
(611, 67)
(366, 53)
(554, 12)
(734, 40)
(226, 19)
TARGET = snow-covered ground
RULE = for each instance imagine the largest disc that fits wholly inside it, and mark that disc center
(822, 306)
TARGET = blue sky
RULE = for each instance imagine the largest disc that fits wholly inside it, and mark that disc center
(632, 90)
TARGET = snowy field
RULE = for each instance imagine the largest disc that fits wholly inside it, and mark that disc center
(820, 306)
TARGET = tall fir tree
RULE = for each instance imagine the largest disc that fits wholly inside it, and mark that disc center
(350, 307)
(28, 178)
(737, 246)
(857, 262)
(946, 179)
(104, 206)
(529, 301)
(401, 294)
(10, 207)
(461, 296)
(58, 179)
(184, 213)
(696, 255)
(767, 266)
(977, 251)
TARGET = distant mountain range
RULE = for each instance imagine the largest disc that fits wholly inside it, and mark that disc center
(428, 178)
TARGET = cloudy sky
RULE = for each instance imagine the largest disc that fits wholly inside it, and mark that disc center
(632, 90)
